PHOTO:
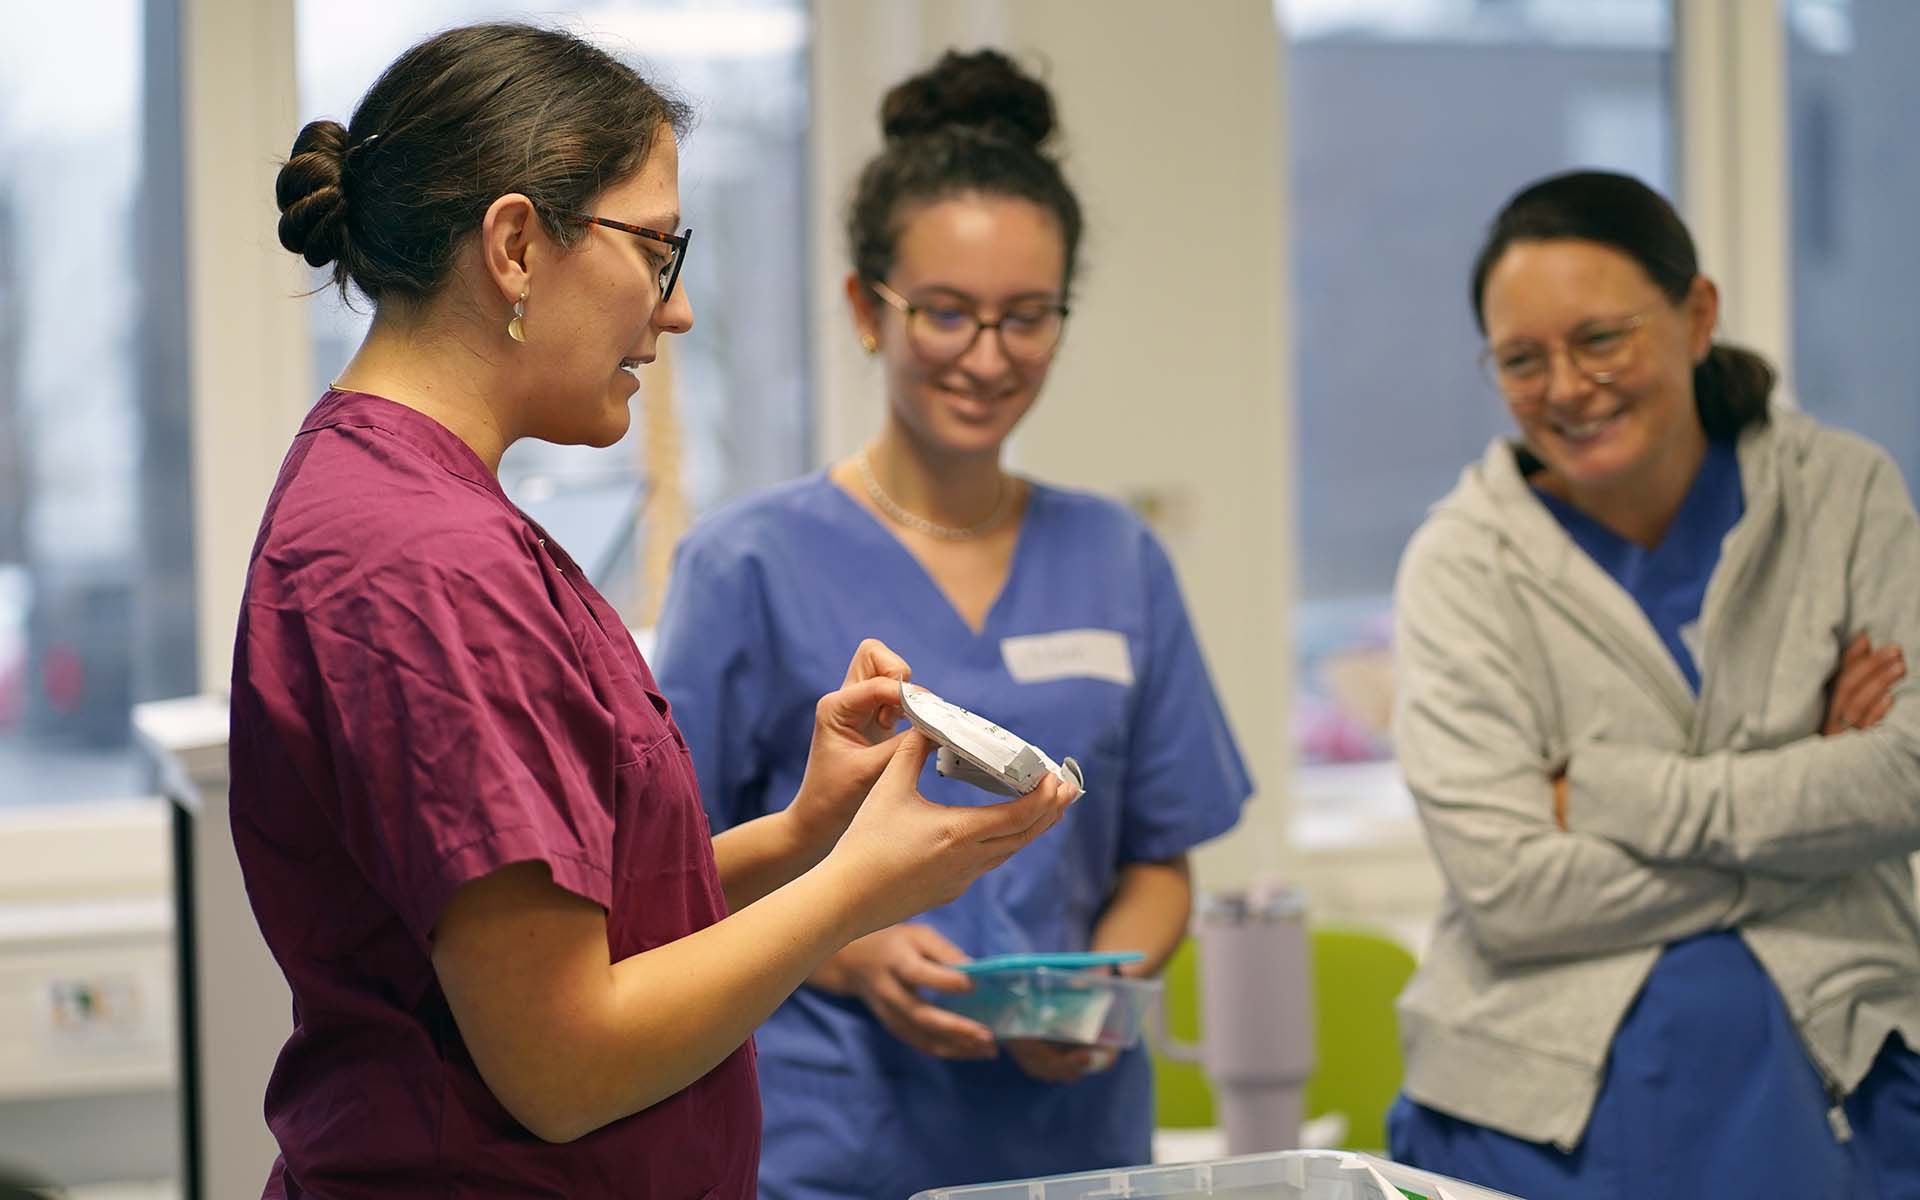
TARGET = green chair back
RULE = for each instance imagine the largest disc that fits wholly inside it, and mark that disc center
(1357, 975)
(1181, 1097)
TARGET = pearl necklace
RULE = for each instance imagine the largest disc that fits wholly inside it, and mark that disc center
(1002, 505)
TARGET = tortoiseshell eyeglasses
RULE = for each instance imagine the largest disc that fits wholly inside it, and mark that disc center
(677, 242)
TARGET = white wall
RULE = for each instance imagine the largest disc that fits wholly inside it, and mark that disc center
(248, 349)
(1170, 385)
(1730, 92)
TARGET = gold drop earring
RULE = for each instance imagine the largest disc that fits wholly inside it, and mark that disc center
(515, 329)
(870, 344)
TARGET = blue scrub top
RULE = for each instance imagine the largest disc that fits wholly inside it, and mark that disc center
(768, 600)
(1709, 1090)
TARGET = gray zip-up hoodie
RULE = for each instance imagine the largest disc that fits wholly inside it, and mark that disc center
(1517, 656)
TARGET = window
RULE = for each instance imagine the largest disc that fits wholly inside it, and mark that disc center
(93, 467)
(726, 411)
(1411, 122)
(1855, 193)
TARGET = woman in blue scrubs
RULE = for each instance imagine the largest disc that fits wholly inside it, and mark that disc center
(1652, 705)
(1052, 612)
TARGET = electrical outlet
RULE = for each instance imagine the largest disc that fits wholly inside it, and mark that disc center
(101, 1013)
(92, 1005)
(86, 999)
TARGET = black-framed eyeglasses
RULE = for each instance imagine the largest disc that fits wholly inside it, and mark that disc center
(1599, 350)
(669, 270)
(944, 329)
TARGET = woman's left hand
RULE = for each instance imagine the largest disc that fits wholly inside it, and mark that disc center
(1064, 1062)
(853, 739)
(1861, 693)
(1058, 1062)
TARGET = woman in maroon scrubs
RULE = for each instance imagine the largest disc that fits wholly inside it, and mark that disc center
(470, 830)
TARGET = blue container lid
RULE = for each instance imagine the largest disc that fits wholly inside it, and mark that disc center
(1069, 961)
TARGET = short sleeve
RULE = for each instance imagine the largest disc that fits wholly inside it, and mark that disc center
(1185, 781)
(709, 659)
(461, 720)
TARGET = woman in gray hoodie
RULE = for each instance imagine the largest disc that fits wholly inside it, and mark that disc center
(1652, 705)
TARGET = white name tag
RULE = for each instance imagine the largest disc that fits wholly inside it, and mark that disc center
(1069, 654)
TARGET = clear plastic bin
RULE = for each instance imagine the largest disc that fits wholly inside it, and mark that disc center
(1284, 1175)
(1084, 1008)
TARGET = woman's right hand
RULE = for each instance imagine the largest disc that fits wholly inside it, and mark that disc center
(1861, 694)
(903, 854)
(886, 969)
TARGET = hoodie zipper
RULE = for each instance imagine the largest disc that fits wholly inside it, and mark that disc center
(1737, 548)
(1837, 1115)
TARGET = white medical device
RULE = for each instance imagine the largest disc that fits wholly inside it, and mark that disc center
(974, 750)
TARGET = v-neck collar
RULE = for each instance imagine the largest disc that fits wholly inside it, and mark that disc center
(1677, 568)
(875, 527)
(1700, 518)
(1531, 531)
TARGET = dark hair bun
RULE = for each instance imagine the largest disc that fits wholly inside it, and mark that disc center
(982, 90)
(313, 208)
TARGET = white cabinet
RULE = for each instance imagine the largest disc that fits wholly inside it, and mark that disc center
(236, 1011)
(87, 1010)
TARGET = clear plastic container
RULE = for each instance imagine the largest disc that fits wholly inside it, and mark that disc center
(1284, 1175)
(1084, 1008)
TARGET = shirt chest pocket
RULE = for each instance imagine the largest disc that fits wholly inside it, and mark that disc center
(665, 883)
(656, 798)
(643, 724)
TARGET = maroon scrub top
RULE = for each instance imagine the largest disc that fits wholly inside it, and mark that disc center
(426, 689)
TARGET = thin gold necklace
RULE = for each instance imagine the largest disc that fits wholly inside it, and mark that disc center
(1002, 505)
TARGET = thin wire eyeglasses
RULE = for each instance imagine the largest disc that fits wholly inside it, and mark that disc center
(1029, 332)
(1599, 350)
(670, 270)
